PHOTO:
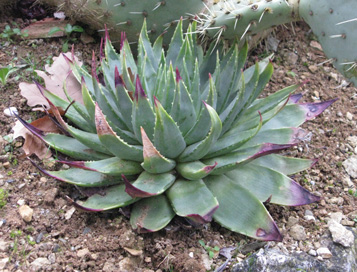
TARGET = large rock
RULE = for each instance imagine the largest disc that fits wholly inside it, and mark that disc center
(273, 260)
(350, 166)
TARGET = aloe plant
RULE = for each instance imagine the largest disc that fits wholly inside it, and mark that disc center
(184, 133)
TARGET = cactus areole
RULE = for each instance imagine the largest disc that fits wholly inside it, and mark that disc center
(184, 133)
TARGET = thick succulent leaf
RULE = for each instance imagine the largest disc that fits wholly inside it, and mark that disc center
(240, 211)
(107, 199)
(278, 136)
(198, 150)
(271, 186)
(65, 144)
(82, 177)
(168, 138)
(294, 115)
(88, 139)
(147, 185)
(231, 141)
(284, 165)
(183, 110)
(154, 162)
(192, 199)
(145, 48)
(114, 143)
(175, 44)
(125, 103)
(265, 104)
(232, 160)
(88, 102)
(199, 131)
(71, 113)
(194, 170)
(142, 114)
(151, 214)
(111, 166)
(81, 109)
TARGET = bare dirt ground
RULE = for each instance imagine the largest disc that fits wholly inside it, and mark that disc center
(60, 238)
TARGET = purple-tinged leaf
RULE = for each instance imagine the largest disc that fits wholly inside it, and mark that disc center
(122, 39)
(109, 198)
(80, 207)
(192, 199)
(133, 191)
(154, 162)
(267, 184)
(101, 52)
(240, 211)
(139, 91)
(314, 109)
(149, 184)
(94, 68)
(295, 98)
(151, 214)
(194, 170)
(178, 76)
(118, 78)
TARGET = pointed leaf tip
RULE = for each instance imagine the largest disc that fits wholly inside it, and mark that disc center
(273, 234)
(139, 89)
(209, 168)
(205, 218)
(133, 191)
(107, 38)
(314, 109)
(178, 76)
(94, 67)
(122, 39)
(80, 207)
(67, 58)
(118, 78)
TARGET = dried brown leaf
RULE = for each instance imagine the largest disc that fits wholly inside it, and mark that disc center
(54, 77)
(33, 145)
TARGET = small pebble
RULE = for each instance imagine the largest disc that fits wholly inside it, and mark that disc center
(39, 237)
(11, 111)
(324, 252)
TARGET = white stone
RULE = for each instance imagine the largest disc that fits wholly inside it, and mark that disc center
(40, 263)
(312, 252)
(69, 213)
(26, 213)
(4, 246)
(206, 261)
(3, 263)
(190, 254)
(350, 166)
(10, 111)
(337, 217)
(324, 252)
(20, 202)
(352, 140)
(82, 252)
(340, 234)
(309, 216)
(349, 116)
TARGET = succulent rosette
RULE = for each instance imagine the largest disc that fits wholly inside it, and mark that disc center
(182, 132)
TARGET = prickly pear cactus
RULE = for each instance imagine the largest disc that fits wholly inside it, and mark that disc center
(335, 24)
(230, 19)
(128, 15)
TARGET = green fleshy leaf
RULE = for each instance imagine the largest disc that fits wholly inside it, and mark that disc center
(85, 178)
(154, 162)
(142, 114)
(167, 135)
(240, 211)
(198, 150)
(151, 214)
(72, 147)
(109, 198)
(115, 144)
(192, 199)
(284, 165)
(175, 44)
(271, 186)
(147, 185)
(194, 170)
(111, 166)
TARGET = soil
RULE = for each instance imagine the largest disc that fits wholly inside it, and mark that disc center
(61, 238)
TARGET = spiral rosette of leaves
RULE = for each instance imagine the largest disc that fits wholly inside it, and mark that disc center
(184, 133)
